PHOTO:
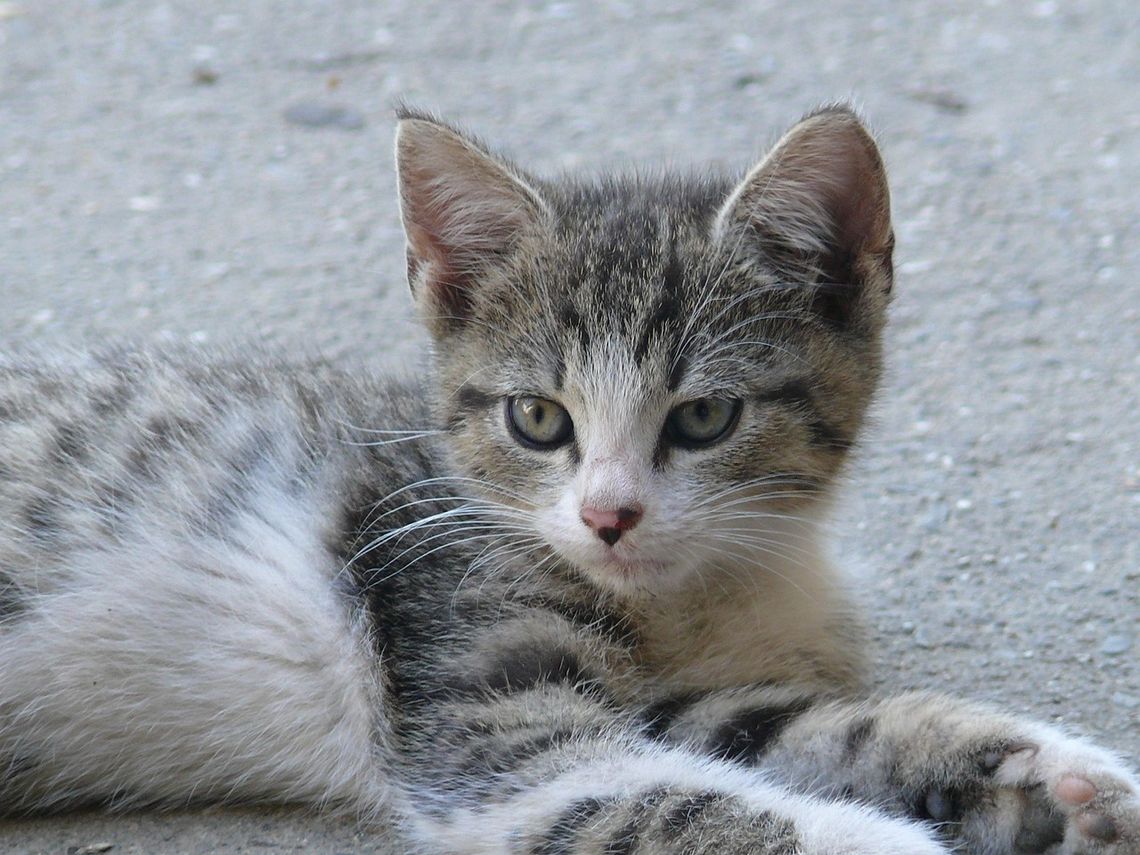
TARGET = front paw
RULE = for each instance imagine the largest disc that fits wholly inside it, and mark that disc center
(1088, 799)
(1048, 793)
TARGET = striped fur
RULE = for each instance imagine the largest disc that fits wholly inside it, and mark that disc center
(228, 578)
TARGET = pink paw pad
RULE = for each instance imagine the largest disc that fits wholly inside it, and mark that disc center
(1075, 791)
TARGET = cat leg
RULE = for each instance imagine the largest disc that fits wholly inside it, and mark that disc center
(1005, 785)
(989, 783)
(523, 749)
(612, 797)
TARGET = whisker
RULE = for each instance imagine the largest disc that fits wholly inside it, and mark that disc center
(382, 442)
(767, 569)
(451, 531)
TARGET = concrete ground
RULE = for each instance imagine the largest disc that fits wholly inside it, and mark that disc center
(173, 171)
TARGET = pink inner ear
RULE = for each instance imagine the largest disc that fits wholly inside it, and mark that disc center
(463, 211)
(427, 255)
(856, 195)
(824, 184)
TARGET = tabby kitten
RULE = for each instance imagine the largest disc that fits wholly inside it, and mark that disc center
(578, 603)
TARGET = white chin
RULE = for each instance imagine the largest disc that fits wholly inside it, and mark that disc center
(624, 570)
(635, 577)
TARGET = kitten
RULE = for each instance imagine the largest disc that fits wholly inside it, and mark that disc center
(565, 595)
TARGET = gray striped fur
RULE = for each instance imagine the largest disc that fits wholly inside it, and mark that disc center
(224, 577)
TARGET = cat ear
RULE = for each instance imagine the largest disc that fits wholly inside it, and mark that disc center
(819, 207)
(463, 211)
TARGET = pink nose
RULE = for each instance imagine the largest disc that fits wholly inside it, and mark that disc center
(609, 525)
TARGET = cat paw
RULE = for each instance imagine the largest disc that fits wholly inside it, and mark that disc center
(1076, 792)
(1053, 794)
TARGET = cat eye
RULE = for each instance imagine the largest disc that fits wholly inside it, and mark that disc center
(701, 422)
(537, 422)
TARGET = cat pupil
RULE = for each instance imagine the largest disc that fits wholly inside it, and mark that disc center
(536, 421)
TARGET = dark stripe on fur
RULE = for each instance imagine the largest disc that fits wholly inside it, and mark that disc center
(611, 625)
(559, 372)
(150, 453)
(793, 393)
(796, 395)
(11, 597)
(667, 309)
(659, 716)
(41, 517)
(664, 315)
(468, 400)
(70, 445)
(497, 756)
(572, 319)
(746, 736)
(827, 436)
(625, 841)
(116, 398)
(677, 371)
(559, 839)
(838, 292)
(404, 634)
(521, 669)
(680, 818)
(778, 834)
(860, 731)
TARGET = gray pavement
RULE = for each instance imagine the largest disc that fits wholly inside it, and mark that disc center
(169, 172)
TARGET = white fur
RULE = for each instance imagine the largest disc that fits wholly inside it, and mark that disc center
(197, 672)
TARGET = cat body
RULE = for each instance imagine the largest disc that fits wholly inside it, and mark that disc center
(567, 594)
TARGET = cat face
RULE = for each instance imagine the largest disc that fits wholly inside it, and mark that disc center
(657, 380)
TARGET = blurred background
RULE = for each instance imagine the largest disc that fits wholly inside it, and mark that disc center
(214, 172)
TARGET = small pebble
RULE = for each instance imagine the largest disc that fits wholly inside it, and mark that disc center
(205, 75)
(310, 114)
(936, 518)
(144, 203)
(1129, 702)
(90, 849)
(945, 100)
(1114, 645)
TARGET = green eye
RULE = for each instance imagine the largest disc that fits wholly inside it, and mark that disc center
(701, 422)
(538, 423)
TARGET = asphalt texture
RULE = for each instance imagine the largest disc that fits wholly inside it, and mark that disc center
(214, 172)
